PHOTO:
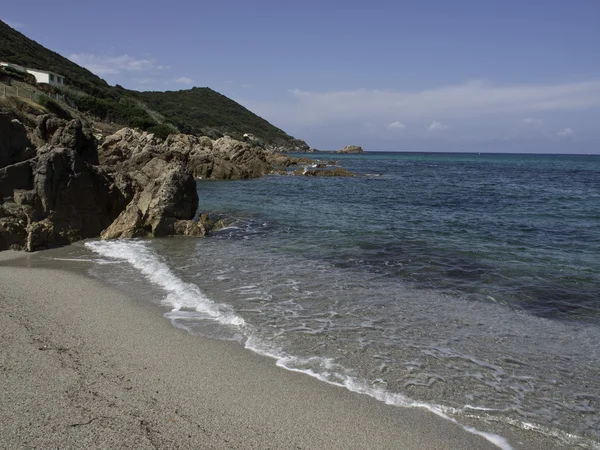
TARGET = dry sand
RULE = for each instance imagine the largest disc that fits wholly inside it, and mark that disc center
(84, 366)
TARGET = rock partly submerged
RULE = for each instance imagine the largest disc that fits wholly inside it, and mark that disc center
(325, 172)
(351, 149)
(131, 185)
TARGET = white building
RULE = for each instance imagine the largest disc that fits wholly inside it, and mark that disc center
(41, 76)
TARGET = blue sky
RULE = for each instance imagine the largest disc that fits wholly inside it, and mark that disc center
(436, 75)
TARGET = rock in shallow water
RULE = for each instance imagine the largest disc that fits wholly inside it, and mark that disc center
(351, 149)
(337, 172)
(133, 185)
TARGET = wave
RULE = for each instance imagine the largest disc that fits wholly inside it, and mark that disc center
(180, 295)
(189, 304)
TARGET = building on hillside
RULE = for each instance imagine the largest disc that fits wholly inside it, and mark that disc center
(41, 76)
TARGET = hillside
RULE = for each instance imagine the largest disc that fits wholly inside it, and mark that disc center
(202, 111)
(199, 111)
(17, 48)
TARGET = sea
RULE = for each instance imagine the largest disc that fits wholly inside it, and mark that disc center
(468, 284)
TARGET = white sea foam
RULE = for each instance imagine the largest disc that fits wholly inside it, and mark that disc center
(95, 260)
(325, 369)
(180, 295)
(189, 303)
(230, 227)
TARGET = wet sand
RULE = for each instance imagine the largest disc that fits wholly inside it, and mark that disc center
(85, 366)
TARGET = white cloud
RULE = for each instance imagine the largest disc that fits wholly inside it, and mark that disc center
(469, 100)
(397, 125)
(565, 132)
(184, 80)
(534, 122)
(112, 65)
(436, 126)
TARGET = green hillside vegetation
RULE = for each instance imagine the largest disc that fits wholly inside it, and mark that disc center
(200, 111)
(89, 92)
(204, 111)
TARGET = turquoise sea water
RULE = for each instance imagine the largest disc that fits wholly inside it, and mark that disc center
(470, 283)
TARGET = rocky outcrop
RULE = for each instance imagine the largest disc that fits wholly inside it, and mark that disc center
(134, 184)
(351, 149)
(221, 159)
(335, 172)
(62, 195)
(57, 198)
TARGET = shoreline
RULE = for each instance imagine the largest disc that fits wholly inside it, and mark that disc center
(85, 365)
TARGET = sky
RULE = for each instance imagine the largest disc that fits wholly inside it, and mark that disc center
(421, 75)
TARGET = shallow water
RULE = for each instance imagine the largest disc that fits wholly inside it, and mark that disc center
(466, 282)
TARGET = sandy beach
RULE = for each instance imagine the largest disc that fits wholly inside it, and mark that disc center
(84, 366)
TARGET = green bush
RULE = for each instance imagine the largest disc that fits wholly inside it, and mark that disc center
(161, 131)
(124, 110)
(52, 106)
(128, 111)
(97, 107)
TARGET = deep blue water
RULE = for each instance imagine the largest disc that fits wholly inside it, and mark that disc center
(463, 281)
(522, 229)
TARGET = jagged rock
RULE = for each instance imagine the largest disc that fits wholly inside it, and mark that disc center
(47, 125)
(187, 144)
(351, 149)
(128, 224)
(237, 160)
(337, 172)
(74, 136)
(78, 198)
(15, 146)
(189, 228)
(57, 198)
(169, 198)
(123, 145)
(198, 227)
(223, 159)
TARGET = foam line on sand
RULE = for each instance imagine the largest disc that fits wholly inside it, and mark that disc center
(84, 366)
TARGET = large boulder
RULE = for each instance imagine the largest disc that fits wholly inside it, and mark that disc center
(59, 194)
(166, 199)
(238, 160)
(58, 198)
